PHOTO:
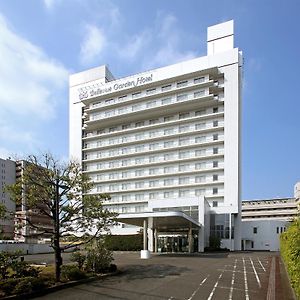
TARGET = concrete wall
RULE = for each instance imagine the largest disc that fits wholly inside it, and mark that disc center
(26, 248)
(267, 236)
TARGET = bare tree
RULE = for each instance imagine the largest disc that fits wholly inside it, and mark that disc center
(61, 193)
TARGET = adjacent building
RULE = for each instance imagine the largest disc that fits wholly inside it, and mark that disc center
(264, 220)
(7, 177)
(165, 144)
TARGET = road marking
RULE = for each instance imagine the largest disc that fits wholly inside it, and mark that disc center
(232, 280)
(197, 289)
(248, 272)
(245, 280)
(215, 286)
(261, 264)
(256, 275)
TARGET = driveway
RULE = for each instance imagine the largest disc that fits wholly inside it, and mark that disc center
(186, 277)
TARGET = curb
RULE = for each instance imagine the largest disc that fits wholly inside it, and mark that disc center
(59, 287)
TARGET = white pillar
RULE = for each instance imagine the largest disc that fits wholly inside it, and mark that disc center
(190, 240)
(230, 236)
(155, 240)
(145, 254)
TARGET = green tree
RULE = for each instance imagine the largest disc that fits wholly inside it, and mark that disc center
(61, 193)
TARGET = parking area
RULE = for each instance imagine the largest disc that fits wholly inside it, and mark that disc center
(186, 277)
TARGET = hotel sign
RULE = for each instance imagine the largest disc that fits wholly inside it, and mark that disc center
(102, 89)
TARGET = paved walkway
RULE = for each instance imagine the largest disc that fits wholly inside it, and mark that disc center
(171, 277)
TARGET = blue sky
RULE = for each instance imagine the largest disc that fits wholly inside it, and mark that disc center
(42, 42)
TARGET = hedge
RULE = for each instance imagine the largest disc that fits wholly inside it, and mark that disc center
(124, 242)
(290, 252)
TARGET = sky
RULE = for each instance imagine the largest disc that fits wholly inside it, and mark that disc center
(42, 42)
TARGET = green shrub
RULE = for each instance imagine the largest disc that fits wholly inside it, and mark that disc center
(23, 269)
(70, 272)
(290, 252)
(124, 242)
(98, 257)
(214, 242)
(29, 285)
(7, 286)
(6, 261)
(79, 258)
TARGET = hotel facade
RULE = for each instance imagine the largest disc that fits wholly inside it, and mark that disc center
(165, 144)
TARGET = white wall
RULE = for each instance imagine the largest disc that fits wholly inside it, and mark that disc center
(266, 237)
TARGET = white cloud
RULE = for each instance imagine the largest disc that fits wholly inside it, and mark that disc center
(92, 45)
(28, 77)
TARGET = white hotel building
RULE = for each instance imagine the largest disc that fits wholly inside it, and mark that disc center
(165, 144)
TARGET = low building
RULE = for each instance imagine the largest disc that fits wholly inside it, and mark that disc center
(264, 220)
(7, 177)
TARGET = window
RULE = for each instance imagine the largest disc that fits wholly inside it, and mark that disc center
(200, 113)
(139, 172)
(153, 146)
(112, 129)
(255, 230)
(184, 180)
(168, 144)
(199, 179)
(139, 208)
(136, 107)
(199, 94)
(139, 185)
(138, 136)
(215, 191)
(215, 123)
(168, 182)
(135, 95)
(153, 171)
(109, 101)
(153, 158)
(168, 118)
(200, 152)
(184, 154)
(125, 209)
(168, 156)
(215, 164)
(199, 192)
(125, 162)
(252, 244)
(126, 126)
(125, 198)
(215, 203)
(139, 124)
(150, 91)
(139, 148)
(166, 101)
(215, 110)
(215, 150)
(139, 160)
(277, 230)
(182, 97)
(153, 195)
(183, 142)
(184, 167)
(184, 115)
(215, 177)
(139, 197)
(168, 131)
(184, 193)
(182, 83)
(150, 104)
(121, 98)
(184, 128)
(215, 137)
(200, 126)
(200, 139)
(166, 88)
(153, 183)
(125, 186)
(168, 169)
(124, 174)
(153, 121)
(199, 80)
(199, 166)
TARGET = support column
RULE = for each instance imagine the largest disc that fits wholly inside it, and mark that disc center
(230, 230)
(155, 240)
(190, 240)
(201, 239)
(145, 254)
(145, 235)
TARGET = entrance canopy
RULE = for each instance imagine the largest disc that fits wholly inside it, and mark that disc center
(162, 221)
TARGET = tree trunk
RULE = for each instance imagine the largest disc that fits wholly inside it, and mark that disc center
(58, 260)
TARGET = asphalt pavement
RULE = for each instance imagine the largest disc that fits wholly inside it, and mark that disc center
(187, 277)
